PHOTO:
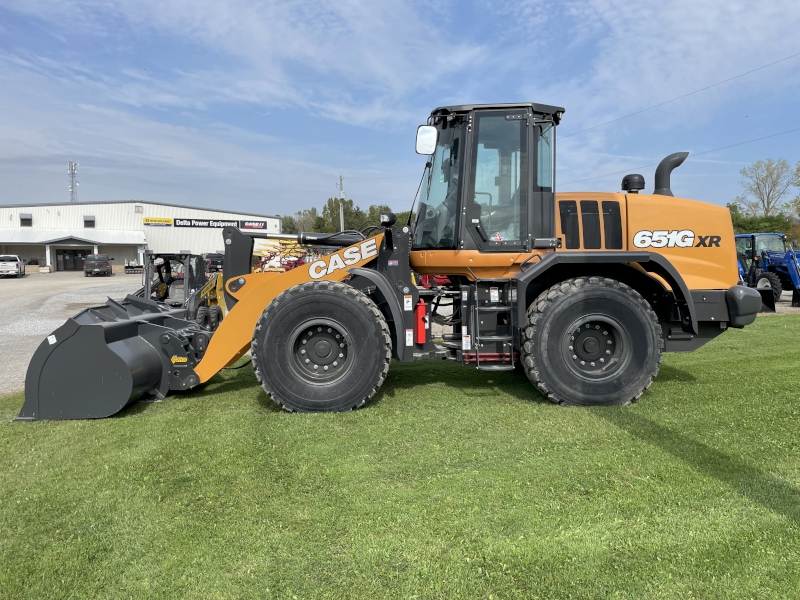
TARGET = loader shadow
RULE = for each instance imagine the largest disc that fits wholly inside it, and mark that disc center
(404, 378)
(770, 492)
(670, 373)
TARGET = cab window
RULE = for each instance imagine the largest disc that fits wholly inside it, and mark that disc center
(499, 179)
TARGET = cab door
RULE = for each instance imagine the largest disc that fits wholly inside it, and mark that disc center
(496, 196)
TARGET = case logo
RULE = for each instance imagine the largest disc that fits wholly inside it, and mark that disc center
(350, 256)
(685, 238)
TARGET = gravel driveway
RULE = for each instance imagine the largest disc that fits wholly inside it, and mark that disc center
(33, 306)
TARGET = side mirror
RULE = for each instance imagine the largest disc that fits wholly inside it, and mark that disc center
(427, 136)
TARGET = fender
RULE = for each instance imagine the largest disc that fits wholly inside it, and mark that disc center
(383, 285)
(649, 261)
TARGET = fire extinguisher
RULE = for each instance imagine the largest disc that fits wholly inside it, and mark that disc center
(421, 322)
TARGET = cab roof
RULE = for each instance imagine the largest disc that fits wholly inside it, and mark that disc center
(545, 109)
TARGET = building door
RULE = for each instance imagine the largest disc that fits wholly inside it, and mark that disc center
(71, 260)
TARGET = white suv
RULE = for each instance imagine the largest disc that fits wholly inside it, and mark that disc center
(11, 264)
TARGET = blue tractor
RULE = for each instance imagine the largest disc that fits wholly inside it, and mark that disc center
(766, 262)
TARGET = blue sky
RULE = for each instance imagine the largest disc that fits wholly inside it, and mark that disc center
(260, 106)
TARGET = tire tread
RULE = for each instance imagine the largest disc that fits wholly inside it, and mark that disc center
(341, 288)
(538, 312)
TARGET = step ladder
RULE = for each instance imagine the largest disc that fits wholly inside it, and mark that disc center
(501, 361)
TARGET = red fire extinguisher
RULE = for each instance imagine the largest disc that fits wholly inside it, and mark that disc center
(421, 322)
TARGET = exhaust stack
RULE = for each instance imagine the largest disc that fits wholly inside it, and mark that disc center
(664, 170)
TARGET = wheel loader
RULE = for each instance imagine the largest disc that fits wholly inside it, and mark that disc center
(581, 291)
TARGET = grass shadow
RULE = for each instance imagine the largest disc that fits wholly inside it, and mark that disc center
(668, 372)
(768, 491)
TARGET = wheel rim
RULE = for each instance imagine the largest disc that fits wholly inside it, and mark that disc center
(321, 351)
(596, 347)
(764, 283)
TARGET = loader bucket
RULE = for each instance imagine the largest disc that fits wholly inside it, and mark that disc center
(106, 357)
(767, 300)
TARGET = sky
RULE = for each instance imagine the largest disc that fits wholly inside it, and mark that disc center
(260, 106)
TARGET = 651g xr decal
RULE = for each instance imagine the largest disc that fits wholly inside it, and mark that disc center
(672, 239)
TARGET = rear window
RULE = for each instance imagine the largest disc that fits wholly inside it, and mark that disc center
(8, 258)
(97, 257)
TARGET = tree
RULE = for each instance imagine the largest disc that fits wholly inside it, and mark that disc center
(765, 185)
(307, 220)
(288, 224)
(743, 223)
(354, 217)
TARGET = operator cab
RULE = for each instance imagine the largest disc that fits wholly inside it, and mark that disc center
(490, 182)
(750, 245)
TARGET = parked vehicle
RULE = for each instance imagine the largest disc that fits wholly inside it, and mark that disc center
(214, 262)
(11, 264)
(582, 291)
(766, 262)
(97, 264)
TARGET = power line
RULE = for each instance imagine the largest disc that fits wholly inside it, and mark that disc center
(693, 155)
(708, 87)
(382, 178)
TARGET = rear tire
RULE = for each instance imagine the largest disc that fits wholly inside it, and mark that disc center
(591, 341)
(214, 316)
(201, 318)
(331, 326)
(768, 279)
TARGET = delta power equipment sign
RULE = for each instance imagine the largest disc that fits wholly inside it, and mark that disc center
(202, 223)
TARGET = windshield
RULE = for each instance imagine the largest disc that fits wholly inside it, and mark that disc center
(772, 243)
(436, 219)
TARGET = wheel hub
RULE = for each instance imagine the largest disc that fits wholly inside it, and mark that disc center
(594, 346)
(320, 350)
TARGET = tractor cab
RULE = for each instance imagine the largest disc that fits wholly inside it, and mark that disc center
(171, 278)
(489, 184)
(751, 246)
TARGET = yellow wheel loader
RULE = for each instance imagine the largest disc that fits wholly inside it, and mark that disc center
(583, 291)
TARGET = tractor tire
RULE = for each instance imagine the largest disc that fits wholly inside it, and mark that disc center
(214, 316)
(202, 318)
(767, 279)
(591, 341)
(321, 346)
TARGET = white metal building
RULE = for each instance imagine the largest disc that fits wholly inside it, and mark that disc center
(61, 235)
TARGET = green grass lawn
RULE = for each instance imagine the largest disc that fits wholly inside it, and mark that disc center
(452, 483)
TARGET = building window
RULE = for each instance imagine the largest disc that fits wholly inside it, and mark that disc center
(138, 209)
(88, 221)
(25, 220)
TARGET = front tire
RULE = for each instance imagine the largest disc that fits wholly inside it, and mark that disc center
(591, 341)
(321, 346)
(214, 316)
(768, 279)
(201, 317)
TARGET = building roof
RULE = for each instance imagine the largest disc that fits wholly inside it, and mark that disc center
(95, 203)
(106, 237)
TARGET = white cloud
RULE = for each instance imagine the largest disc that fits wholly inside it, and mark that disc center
(643, 53)
(349, 57)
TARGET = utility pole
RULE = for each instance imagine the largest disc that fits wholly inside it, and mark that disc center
(341, 203)
(72, 169)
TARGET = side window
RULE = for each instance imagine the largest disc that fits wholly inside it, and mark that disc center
(544, 171)
(500, 182)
